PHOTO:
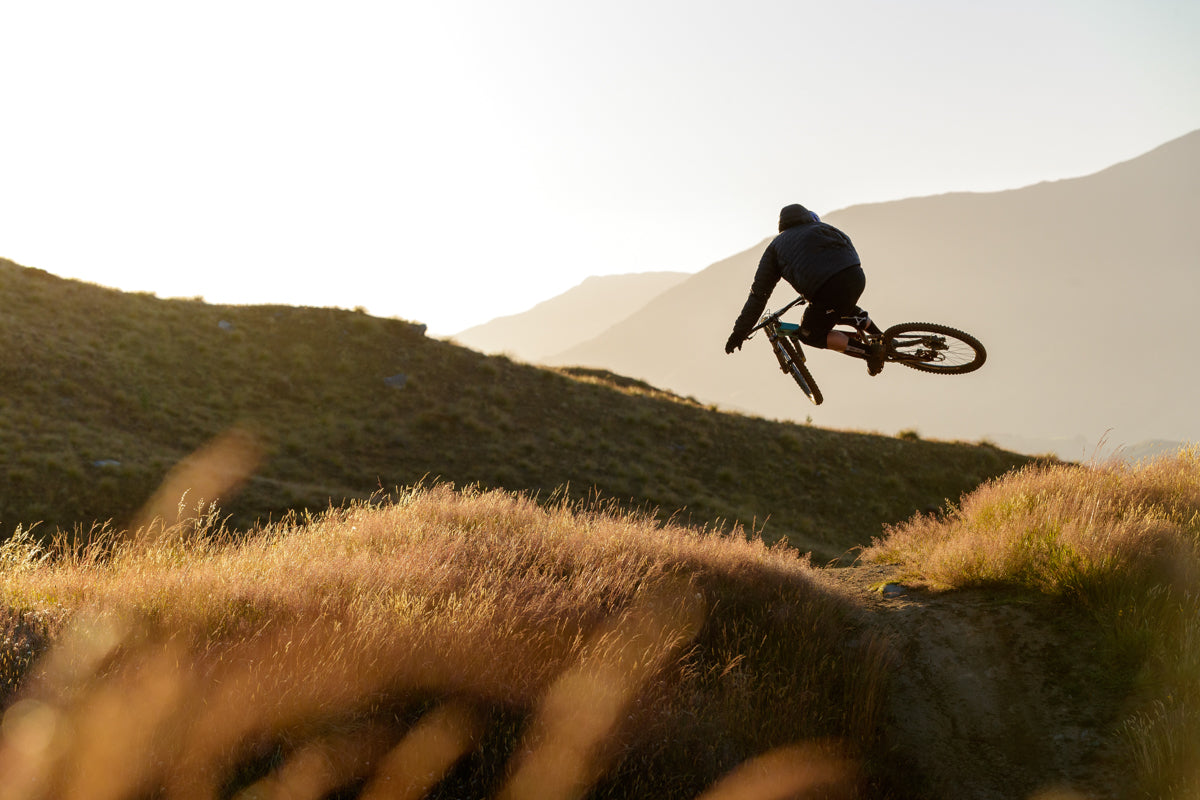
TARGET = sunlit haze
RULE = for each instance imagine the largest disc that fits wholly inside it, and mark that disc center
(453, 162)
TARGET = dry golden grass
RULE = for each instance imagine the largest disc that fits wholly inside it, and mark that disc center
(1064, 529)
(1123, 542)
(462, 642)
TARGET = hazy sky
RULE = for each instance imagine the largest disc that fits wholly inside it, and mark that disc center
(454, 161)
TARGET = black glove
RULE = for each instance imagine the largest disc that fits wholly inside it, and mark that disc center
(734, 343)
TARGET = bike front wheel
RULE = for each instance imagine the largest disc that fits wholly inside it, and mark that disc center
(930, 347)
(800, 373)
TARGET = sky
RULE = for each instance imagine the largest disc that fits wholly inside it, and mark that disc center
(451, 162)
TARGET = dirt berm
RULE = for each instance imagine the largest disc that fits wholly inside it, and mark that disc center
(992, 696)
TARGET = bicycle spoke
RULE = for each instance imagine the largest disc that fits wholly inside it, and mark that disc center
(934, 348)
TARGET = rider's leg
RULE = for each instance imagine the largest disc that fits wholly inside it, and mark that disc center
(837, 340)
(853, 345)
(837, 298)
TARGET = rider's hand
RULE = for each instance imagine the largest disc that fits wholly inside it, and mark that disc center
(734, 343)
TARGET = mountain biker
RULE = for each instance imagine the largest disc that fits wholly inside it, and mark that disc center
(820, 262)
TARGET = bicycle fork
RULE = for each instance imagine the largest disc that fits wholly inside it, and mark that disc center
(782, 354)
(790, 356)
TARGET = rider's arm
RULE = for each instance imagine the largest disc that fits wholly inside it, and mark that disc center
(760, 292)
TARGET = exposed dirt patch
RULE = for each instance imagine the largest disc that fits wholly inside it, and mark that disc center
(993, 695)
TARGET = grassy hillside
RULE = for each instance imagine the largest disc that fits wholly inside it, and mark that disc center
(102, 392)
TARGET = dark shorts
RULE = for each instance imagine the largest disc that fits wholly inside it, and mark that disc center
(837, 298)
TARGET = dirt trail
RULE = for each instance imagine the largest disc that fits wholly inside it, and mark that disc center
(993, 697)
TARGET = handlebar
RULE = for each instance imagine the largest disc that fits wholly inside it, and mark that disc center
(767, 320)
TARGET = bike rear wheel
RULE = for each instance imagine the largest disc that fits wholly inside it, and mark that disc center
(800, 373)
(930, 347)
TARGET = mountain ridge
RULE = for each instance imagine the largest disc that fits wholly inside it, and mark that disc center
(1090, 261)
(579, 314)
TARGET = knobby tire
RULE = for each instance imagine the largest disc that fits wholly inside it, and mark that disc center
(963, 352)
(800, 373)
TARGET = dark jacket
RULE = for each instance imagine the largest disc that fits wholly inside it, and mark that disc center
(804, 255)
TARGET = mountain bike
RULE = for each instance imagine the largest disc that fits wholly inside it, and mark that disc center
(923, 346)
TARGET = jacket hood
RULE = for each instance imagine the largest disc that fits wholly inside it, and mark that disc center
(795, 214)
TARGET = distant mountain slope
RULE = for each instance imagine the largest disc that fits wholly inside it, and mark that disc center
(1083, 290)
(570, 318)
(102, 393)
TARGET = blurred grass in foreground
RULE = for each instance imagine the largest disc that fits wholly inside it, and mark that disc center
(1123, 542)
(462, 643)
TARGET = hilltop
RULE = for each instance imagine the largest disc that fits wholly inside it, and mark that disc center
(103, 392)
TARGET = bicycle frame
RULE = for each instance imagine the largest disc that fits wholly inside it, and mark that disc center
(923, 346)
(785, 344)
(860, 322)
